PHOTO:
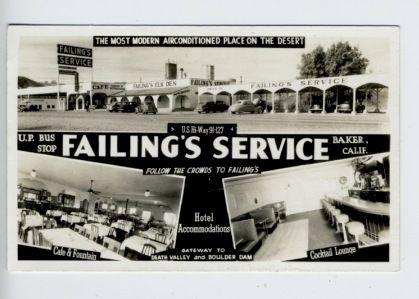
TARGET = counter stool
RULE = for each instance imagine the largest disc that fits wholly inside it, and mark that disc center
(355, 229)
(341, 221)
(330, 209)
(384, 236)
(335, 213)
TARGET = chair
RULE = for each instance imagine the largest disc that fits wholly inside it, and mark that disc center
(111, 244)
(78, 228)
(148, 249)
(160, 238)
(246, 237)
(95, 229)
(355, 229)
(93, 236)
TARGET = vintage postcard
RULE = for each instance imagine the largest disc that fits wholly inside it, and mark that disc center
(203, 148)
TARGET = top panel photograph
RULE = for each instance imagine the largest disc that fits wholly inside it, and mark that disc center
(264, 79)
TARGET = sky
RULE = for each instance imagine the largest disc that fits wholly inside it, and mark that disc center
(38, 60)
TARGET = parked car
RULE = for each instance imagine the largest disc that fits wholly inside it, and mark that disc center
(146, 108)
(344, 108)
(218, 106)
(123, 107)
(27, 108)
(245, 106)
(262, 103)
(112, 107)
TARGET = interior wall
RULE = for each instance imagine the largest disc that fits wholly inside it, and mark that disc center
(301, 188)
(56, 188)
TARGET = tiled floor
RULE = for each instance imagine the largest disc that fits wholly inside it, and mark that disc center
(320, 233)
(288, 242)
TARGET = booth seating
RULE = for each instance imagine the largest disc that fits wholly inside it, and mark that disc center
(280, 210)
(356, 229)
(341, 221)
(265, 219)
(246, 237)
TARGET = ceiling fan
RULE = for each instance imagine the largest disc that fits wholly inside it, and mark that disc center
(91, 190)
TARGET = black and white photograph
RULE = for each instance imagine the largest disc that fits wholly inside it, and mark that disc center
(79, 210)
(331, 84)
(303, 212)
(203, 148)
(218, 149)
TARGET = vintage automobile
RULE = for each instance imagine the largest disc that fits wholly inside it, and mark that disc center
(218, 106)
(344, 108)
(146, 108)
(245, 106)
(123, 107)
(28, 108)
(262, 103)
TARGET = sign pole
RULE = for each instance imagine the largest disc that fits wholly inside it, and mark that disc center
(91, 83)
(58, 88)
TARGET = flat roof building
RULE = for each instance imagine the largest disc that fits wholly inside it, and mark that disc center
(330, 94)
(367, 93)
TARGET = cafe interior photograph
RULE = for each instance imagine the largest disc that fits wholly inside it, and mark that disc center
(282, 214)
(114, 211)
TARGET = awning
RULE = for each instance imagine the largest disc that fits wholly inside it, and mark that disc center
(151, 91)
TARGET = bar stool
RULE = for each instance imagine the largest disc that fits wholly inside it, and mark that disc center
(335, 213)
(384, 236)
(341, 220)
(330, 208)
(355, 229)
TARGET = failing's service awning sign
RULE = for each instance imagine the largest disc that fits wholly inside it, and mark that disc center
(74, 56)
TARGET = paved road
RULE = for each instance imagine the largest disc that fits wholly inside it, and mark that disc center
(275, 123)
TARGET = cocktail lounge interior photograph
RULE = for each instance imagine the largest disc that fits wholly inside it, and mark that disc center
(117, 212)
(282, 214)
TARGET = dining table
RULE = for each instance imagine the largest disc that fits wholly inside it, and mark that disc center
(54, 213)
(97, 218)
(72, 219)
(123, 224)
(137, 243)
(103, 230)
(66, 237)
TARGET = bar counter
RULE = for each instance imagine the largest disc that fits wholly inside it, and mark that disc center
(365, 206)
